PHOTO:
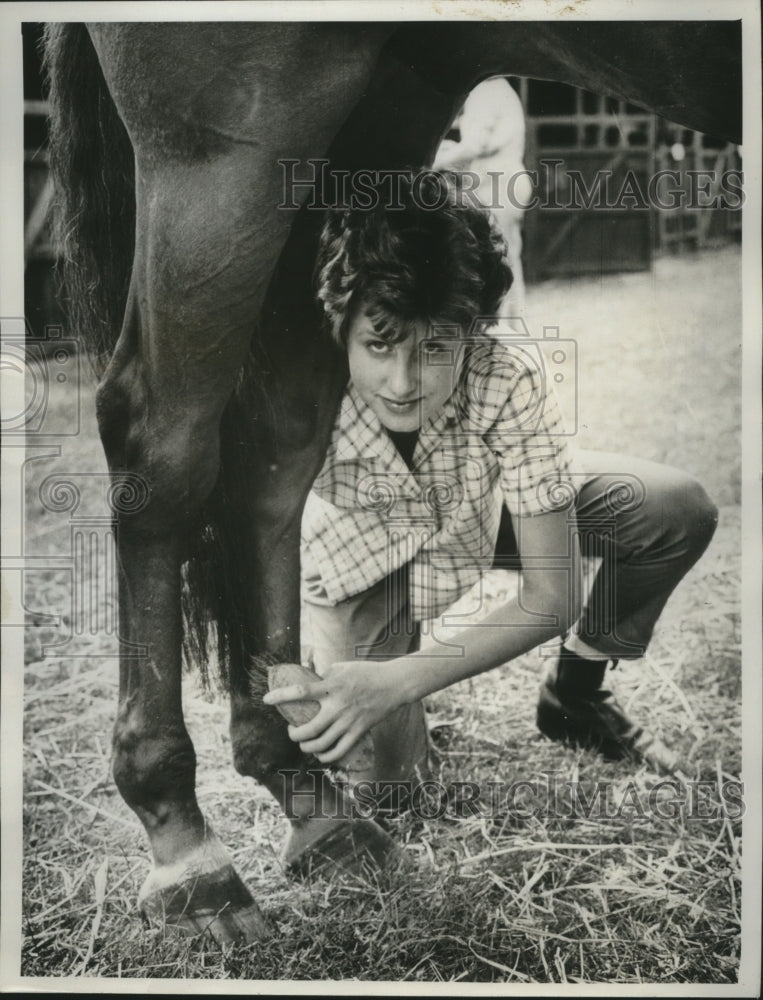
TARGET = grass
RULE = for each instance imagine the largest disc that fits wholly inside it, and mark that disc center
(527, 891)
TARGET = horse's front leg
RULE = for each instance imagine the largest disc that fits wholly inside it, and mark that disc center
(292, 420)
(324, 831)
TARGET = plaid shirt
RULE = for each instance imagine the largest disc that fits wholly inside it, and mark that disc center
(498, 439)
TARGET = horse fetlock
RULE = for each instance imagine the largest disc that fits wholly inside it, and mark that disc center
(254, 760)
(154, 772)
(259, 737)
(308, 793)
(261, 746)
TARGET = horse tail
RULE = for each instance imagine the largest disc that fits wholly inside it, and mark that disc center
(93, 171)
(222, 599)
(223, 633)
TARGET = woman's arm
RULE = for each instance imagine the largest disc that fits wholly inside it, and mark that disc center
(547, 604)
(355, 695)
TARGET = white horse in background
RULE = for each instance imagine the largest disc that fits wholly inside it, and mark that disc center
(492, 145)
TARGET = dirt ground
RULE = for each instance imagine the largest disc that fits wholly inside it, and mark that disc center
(659, 365)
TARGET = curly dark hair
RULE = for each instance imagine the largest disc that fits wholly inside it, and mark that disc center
(435, 254)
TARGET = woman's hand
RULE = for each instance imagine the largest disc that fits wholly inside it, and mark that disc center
(354, 695)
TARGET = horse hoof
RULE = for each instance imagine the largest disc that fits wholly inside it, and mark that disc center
(198, 899)
(216, 903)
(349, 847)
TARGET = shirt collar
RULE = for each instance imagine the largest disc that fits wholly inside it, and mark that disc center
(359, 436)
(360, 433)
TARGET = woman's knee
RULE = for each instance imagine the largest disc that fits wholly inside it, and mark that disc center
(687, 512)
(707, 513)
(659, 509)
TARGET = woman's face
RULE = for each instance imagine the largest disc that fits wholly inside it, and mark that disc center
(404, 383)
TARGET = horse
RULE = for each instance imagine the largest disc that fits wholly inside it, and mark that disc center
(492, 140)
(189, 169)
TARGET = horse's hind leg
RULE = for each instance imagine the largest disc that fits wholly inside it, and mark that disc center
(191, 311)
(159, 406)
(193, 885)
(206, 136)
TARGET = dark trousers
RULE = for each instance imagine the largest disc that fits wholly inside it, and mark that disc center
(648, 524)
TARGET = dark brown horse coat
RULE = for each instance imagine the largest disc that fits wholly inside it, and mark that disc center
(192, 285)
